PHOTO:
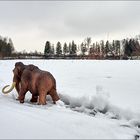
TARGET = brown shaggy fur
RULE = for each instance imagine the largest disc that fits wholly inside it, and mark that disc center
(38, 82)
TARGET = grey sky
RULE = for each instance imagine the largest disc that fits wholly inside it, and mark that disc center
(31, 23)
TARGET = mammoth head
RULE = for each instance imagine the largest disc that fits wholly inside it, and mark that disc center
(19, 67)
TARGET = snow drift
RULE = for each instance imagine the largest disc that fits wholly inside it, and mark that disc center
(99, 103)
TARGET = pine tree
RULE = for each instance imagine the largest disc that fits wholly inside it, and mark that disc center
(107, 46)
(127, 48)
(117, 47)
(73, 48)
(102, 48)
(65, 49)
(58, 49)
(47, 50)
(11, 44)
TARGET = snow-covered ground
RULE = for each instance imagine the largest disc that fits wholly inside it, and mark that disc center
(102, 100)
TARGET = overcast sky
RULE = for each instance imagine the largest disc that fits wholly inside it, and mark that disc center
(31, 23)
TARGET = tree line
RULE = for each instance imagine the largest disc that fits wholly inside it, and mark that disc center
(116, 49)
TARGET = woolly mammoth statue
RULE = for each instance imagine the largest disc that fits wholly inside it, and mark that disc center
(38, 82)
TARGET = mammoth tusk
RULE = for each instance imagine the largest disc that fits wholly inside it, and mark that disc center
(11, 88)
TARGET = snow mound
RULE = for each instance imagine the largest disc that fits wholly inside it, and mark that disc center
(60, 103)
(99, 103)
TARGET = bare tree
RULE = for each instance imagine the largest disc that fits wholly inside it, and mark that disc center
(88, 42)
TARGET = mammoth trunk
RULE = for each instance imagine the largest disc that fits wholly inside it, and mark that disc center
(10, 89)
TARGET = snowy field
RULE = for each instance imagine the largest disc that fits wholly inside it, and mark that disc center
(101, 101)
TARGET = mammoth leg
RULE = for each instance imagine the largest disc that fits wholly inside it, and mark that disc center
(22, 92)
(54, 95)
(22, 95)
(42, 98)
(18, 86)
(34, 98)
